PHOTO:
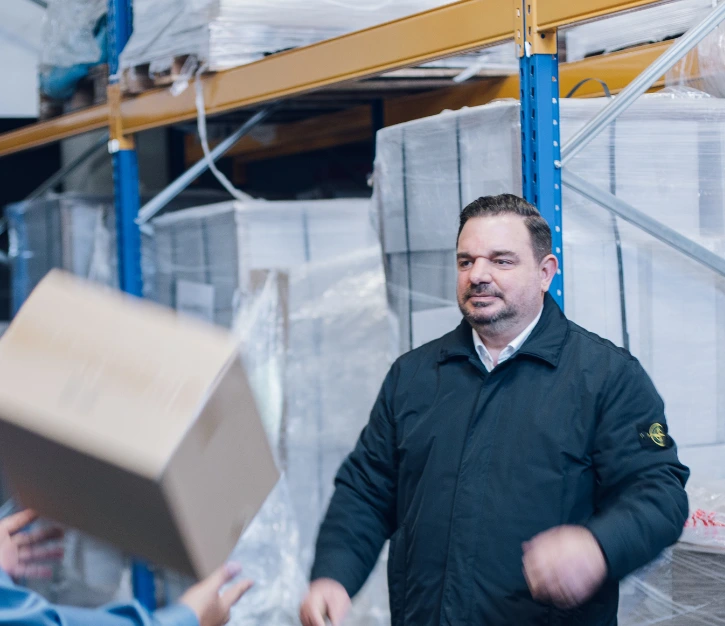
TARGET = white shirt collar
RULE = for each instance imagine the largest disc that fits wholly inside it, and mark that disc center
(509, 350)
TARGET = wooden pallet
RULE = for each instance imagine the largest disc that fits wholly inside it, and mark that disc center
(139, 79)
(90, 91)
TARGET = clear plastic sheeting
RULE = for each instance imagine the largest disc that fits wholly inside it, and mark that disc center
(664, 156)
(703, 69)
(268, 551)
(90, 574)
(68, 32)
(68, 231)
(337, 359)
(228, 33)
(262, 326)
(648, 25)
(210, 262)
(705, 526)
(681, 588)
(269, 548)
(684, 586)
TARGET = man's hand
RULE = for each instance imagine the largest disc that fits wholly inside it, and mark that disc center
(326, 598)
(211, 607)
(564, 566)
(27, 554)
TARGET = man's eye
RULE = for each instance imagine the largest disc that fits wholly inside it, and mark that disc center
(464, 264)
(502, 262)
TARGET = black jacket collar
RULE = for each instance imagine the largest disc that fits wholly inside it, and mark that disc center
(546, 341)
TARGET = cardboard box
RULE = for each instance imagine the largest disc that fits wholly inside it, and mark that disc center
(132, 424)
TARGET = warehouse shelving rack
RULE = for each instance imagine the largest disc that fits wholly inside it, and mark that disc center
(464, 26)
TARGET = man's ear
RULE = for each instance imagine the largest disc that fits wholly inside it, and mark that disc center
(547, 268)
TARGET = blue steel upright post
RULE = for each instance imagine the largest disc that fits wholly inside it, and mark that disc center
(540, 135)
(127, 201)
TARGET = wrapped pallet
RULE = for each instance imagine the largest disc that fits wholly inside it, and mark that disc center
(228, 33)
(73, 56)
(206, 262)
(71, 231)
(684, 586)
(68, 231)
(649, 25)
(663, 156)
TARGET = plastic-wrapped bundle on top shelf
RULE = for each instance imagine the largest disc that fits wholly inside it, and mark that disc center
(684, 586)
(664, 156)
(636, 28)
(68, 32)
(703, 69)
(338, 342)
(228, 33)
(69, 231)
(74, 40)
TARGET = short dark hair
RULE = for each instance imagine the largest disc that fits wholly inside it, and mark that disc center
(509, 204)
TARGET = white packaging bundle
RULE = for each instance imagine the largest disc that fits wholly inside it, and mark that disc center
(228, 33)
(648, 25)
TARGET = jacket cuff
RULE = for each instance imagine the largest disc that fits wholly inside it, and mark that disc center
(337, 569)
(609, 540)
(175, 615)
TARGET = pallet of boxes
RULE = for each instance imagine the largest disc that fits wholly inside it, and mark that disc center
(73, 66)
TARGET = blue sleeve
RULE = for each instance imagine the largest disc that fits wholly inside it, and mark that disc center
(22, 607)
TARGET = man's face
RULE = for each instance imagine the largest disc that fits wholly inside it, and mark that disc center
(500, 283)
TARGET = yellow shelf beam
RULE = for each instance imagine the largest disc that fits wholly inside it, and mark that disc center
(449, 30)
(43, 133)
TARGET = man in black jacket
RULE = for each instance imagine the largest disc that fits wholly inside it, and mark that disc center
(520, 465)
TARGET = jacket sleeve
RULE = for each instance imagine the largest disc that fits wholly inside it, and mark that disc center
(361, 515)
(22, 606)
(641, 500)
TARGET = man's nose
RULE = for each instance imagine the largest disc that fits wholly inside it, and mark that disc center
(480, 273)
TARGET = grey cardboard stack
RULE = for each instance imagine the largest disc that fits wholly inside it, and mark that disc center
(205, 260)
(426, 172)
(664, 156)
